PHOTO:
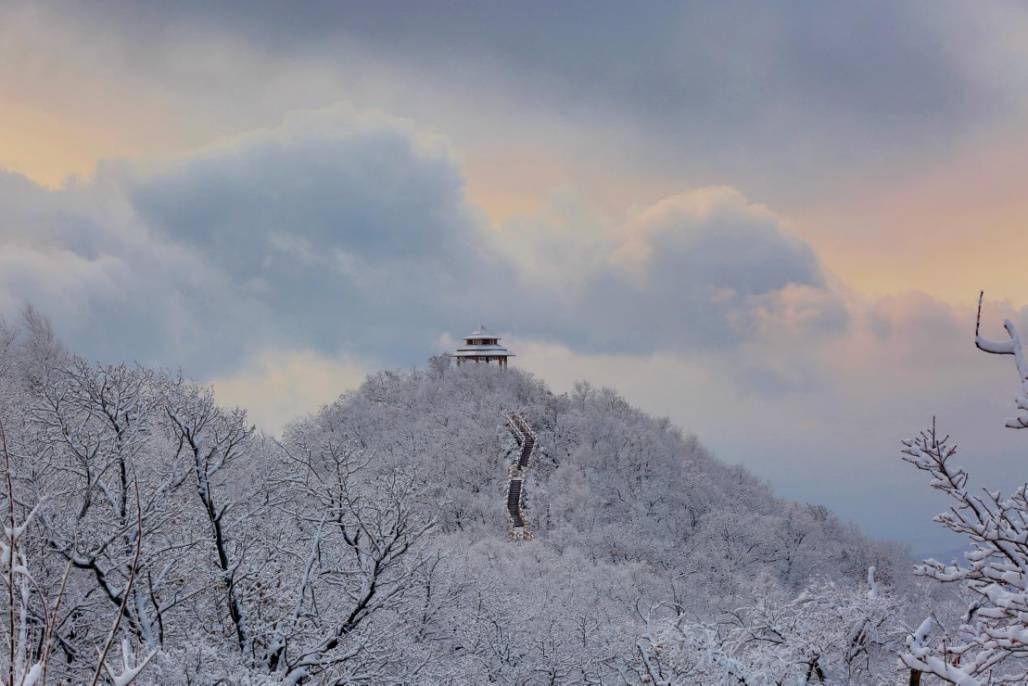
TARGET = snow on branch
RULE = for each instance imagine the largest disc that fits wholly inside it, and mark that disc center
(1008, 347)
(826, 634)
(991, 644)
(993, 639)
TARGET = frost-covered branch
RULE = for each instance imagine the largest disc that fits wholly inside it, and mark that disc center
(826, 634)
(995, 630)
(991, 644)
(1012, 346)
(131, 670)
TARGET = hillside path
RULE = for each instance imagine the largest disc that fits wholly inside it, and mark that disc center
(525, 438)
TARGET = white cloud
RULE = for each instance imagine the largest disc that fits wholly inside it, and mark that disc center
(349, 233)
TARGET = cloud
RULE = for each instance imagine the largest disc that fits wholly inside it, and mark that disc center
(353, 232)
(334, 232)
(116, 291)
(349, 234)
(715, 237)
(277, 386)
(701, 269)
(800, 85)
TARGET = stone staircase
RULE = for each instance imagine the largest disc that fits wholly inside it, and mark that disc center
(525, 438)
(514, 504)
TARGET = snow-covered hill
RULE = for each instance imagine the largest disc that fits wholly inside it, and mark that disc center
(371, 543)
(625, 512)
(607, 479)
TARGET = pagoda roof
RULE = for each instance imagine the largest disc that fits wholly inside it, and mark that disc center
(482, 351)
(481, 332)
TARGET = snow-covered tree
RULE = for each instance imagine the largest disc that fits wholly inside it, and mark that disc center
(369, 543)
(990, 646)
(827, 634)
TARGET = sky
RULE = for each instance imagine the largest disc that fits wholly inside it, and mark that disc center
(767, 221)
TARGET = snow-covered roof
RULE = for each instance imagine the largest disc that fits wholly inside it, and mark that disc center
(481, 346)
(481, 332)
(476, 353)
(482, 351)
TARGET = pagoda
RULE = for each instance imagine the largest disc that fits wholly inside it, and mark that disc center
(482, 346)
